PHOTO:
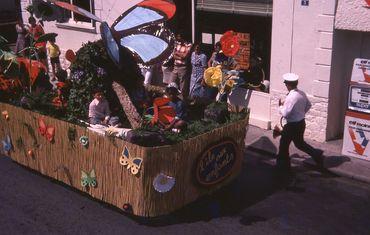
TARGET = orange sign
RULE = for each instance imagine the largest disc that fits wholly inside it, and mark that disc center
(243, 55)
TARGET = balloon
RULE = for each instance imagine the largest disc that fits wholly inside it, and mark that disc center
(70, 56)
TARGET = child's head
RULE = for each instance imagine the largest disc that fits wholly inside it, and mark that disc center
(172, 91)
(52, 41)
(98, 94)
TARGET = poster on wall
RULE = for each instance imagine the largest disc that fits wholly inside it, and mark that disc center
(356, 135)
(359, 98)
(243, 55)
(361, 71)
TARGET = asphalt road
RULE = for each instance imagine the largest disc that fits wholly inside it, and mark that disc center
(256, 203)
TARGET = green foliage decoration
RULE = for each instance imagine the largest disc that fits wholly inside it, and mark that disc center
(88, 73)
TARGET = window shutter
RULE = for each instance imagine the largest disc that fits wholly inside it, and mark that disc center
(240, 7)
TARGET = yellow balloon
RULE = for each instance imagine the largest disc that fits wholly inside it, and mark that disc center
(213, 76)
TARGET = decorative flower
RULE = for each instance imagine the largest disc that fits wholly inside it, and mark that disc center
(163, 183)
(77, 75)
(213, 76)
(101, 72)
(84, 140)
(230, 43)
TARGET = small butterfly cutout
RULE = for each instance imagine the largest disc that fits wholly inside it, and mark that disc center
(47, 131)
(88, 179)
(5, 114)
(7, 144)
(131, 163)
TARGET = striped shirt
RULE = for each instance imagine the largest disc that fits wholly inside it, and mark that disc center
(181, 52)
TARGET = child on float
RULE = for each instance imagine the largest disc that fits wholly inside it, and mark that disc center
(179, 122)
(99, 112)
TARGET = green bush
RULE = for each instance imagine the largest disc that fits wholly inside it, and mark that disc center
(88, 73)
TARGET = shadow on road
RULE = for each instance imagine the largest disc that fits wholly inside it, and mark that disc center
(256, 182)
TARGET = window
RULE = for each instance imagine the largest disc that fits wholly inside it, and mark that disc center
(84, 4)
(71, 20)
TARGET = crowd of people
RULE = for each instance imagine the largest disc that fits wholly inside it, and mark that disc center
(183, 73)
(28, 36)
(189, 62)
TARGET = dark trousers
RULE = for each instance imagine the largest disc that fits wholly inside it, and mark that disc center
(294, 131)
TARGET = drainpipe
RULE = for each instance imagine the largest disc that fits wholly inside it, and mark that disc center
(193, 20)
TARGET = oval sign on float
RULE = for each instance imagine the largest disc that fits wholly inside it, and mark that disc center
(216, 163)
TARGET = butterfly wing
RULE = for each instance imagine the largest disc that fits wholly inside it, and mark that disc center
(92, 178)
(144, 13)
(166, 7)
(151, 45)
(136, 164)
(7, 144)
(42, 127)
(76, 9)
(84, 179)
(124, 160)
(110, 43)
(50, 132)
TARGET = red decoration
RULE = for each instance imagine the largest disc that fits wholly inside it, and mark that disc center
(163, 113)
(47, 131)
(229, 43)
(70, 56)
(368, 3)
(167, 7)
(33, 68)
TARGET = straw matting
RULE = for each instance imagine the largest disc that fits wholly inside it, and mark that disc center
(63, 160)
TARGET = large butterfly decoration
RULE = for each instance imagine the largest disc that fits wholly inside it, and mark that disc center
(131, 163)
(88, 179)
(47, 131)
(140, 29)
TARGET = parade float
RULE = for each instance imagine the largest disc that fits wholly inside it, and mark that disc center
(145, 180)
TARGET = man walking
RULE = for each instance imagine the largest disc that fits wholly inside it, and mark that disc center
(293, 109)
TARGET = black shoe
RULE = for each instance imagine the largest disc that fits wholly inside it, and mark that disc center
(319, 159)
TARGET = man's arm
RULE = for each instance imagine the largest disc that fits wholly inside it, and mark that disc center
(286, 108)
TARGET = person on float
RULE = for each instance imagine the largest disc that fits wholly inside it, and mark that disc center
(180, 73)
(179, 122)
(294, 109)
(99, 112)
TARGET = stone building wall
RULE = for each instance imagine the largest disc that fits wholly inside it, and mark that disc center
(316, 118)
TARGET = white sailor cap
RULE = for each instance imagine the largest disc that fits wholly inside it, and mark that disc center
(290, 77)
